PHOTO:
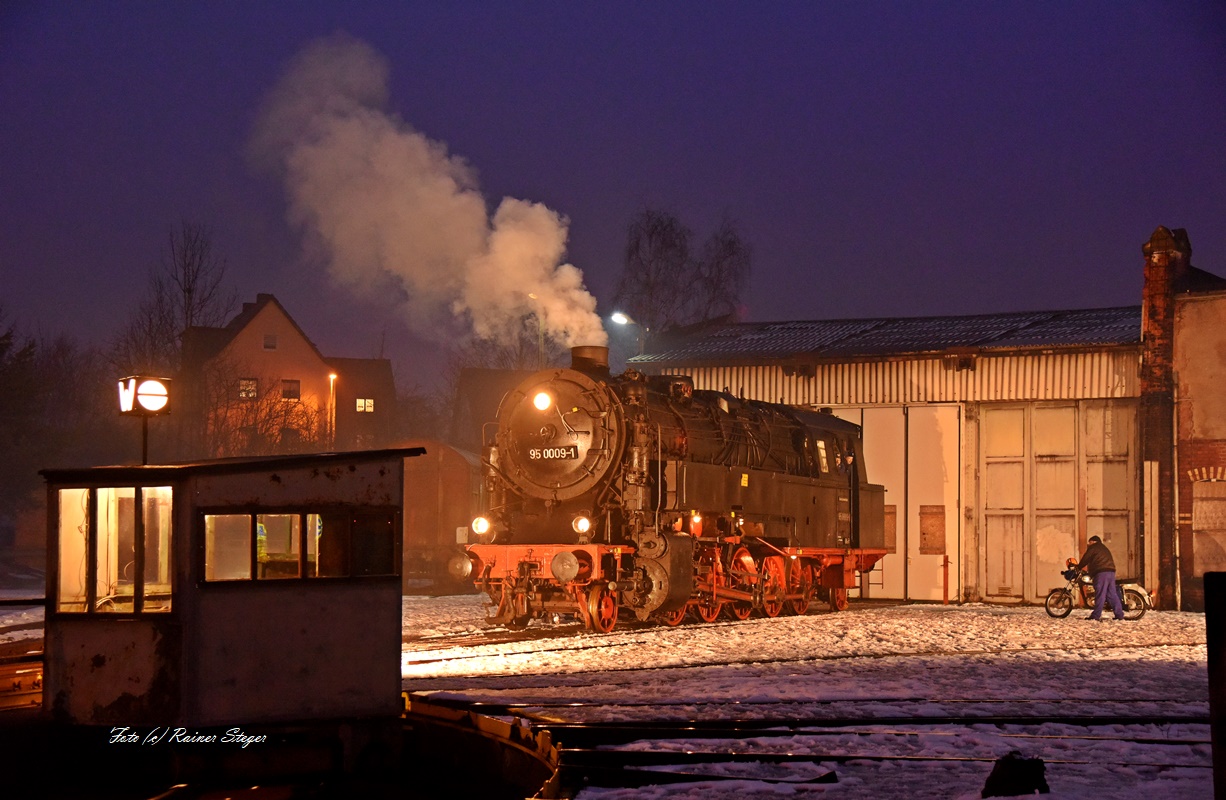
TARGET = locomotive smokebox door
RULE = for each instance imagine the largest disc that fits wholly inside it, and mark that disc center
(557, 436)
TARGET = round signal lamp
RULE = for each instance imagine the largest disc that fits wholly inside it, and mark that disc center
(481, 526)
(581, 524)
(542, 401)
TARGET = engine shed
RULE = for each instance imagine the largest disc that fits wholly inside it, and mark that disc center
(1005, 440)
(230, 592)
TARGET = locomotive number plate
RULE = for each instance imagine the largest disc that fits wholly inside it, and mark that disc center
(554, 453)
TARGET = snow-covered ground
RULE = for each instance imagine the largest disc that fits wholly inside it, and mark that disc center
(865, 664)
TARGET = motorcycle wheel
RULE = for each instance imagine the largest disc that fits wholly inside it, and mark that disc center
(1134, 604)
(1059, 603)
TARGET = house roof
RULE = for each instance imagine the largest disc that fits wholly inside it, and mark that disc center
(367, 373)
(818, 340)
(202, 344)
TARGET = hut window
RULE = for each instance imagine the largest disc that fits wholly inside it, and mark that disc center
(338, 543)
(114, 550)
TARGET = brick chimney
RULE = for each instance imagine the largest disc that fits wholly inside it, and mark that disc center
(1167, 264)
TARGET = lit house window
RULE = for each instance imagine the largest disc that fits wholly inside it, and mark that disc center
(291, 390)
(248, 388)
(270, 341)
(366, 404)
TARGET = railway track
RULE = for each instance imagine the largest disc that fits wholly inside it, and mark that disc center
(600, 739)
(787, 750)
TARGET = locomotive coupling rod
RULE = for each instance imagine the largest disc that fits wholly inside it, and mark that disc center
(724, 593)
(770, 546)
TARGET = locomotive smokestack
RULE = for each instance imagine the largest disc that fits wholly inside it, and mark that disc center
(591, 359)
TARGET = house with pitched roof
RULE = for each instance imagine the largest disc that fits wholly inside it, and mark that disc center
(259, 385)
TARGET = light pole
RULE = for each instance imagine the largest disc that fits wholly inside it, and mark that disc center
(624, 319)
(332, 411)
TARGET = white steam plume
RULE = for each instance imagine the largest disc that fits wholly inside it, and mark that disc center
(390, 210)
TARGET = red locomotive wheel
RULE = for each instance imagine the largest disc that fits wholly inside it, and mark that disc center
(773, 586)
(800, 581)
(711, 579)
(743, 573)
(674, 618)
(708, 609)
(602, 606)
(838, 599)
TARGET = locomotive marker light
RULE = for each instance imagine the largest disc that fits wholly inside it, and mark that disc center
(542, 401)
(144, 396)
(581, 524)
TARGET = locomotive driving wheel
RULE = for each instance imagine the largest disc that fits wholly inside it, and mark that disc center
(800, 581)
(838, 599)
(602, 608)
(773, 585)
(711, 579)
(674, 618)
(743, 574)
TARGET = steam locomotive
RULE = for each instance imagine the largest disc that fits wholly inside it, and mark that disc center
(633, 494)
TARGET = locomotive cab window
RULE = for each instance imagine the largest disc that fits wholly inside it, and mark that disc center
(821, 456)
(114, 550)
(300, 544)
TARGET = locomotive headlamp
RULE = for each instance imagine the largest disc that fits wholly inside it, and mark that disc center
(542, 401)
(482, 526)
(581, 524)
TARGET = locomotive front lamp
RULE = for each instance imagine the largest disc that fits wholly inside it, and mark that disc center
(581, 524)
(481, 526)
(542, 401)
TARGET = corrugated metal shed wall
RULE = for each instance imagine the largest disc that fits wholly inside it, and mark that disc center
(1035, 376)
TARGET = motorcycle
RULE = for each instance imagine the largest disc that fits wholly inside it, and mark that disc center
(1060, 601)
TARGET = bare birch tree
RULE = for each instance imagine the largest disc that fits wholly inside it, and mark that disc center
(188, 288)
(665, 285)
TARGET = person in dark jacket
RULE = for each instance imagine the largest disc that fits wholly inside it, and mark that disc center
(1101, 566)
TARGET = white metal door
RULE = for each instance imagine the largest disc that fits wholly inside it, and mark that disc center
(1003, 490)
(884, 431)
(934, 527)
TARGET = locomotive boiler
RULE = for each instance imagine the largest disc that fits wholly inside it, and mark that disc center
(640, 495)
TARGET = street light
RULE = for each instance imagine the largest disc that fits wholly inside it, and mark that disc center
(332, 411)
(625, 319)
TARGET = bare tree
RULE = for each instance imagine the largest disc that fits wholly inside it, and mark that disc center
(653, 287)
(722, 273)
(187, 289)
(245, 416)
(663, 285)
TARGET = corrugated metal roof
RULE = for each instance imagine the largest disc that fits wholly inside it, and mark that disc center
(801, 341)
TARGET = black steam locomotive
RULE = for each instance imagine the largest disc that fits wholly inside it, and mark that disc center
(639, 493)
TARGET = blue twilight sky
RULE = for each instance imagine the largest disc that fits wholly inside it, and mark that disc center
(883, 158)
